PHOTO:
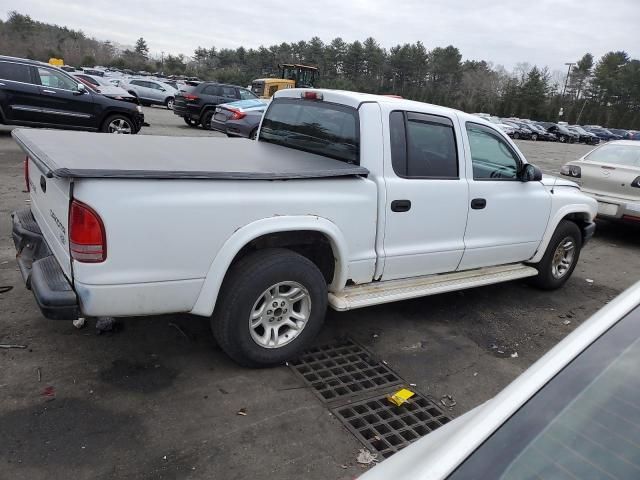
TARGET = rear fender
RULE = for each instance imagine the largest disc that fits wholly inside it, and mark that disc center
(213, 281)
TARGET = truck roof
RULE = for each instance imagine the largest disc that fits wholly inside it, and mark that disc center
(355, 99)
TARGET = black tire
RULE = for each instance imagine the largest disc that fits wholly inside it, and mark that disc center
(546, 279)
(191, 122)
(169, 103)
(534, 137)
(120, 122)
(244, 286)
(205, 119)
(253, 134)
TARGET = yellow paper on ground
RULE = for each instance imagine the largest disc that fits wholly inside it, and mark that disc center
(400, 397)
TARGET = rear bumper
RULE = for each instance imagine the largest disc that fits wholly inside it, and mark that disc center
(40, 270)
(218, 126)
(187, 110)
(613, 208)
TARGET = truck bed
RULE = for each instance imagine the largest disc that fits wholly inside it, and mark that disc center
(69, 154)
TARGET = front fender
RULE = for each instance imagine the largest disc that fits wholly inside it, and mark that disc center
(213, 281)
(585, 206)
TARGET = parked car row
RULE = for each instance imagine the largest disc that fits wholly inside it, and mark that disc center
(37, 94)
(526, 129)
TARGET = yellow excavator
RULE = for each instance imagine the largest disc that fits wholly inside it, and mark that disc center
(291, 76)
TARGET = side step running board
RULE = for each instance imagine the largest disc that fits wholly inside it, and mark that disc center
(358, 296)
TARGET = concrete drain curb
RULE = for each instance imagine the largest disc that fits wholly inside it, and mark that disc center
(354, 385)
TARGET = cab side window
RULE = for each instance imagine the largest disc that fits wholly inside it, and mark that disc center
(15, 72)
(53, 79)
(491, 156)
(423, 146)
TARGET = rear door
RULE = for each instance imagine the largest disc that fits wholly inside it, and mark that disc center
(19, 96)
(427, 196)
(50, 207)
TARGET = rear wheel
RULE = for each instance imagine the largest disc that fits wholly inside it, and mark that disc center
(562, 139)
(169, 103)
(205, 120)
(271, 306)
(534, 137)
(516, 135)
(560, 258)
(118, 124)
(253, 134)
(190, 121)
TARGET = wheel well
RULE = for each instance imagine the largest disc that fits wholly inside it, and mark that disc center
(581, 219)
(313, 245)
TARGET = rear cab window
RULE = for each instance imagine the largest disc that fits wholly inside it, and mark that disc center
(319, 127)
(423, 146)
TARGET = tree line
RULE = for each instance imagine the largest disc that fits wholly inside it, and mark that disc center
(603, 91)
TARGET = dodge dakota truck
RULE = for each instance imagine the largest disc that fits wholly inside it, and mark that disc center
(345, 199)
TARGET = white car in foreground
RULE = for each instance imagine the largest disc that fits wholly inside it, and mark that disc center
(574, 414)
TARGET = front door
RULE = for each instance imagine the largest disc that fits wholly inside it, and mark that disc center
(61, 101)
(427, 196)
(507, 217)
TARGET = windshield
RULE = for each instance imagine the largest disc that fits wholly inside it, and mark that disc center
(258, 88)
(313, 126)
(627, 155)
(585, 423)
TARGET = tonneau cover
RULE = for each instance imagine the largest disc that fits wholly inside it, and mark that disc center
(72, 154)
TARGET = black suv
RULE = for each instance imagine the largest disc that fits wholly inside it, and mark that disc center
(197, 104)
(40, 95)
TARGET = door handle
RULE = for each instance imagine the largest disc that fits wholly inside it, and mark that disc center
(49, 91)
(478, 203)
(401, 205)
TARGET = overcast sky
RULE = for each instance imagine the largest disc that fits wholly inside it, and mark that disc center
(505, 32)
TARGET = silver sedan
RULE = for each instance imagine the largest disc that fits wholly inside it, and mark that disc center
(611, 175)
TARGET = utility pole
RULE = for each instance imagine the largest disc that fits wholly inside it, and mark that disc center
(564, 89)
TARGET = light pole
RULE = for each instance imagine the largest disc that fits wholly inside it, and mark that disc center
(566, 81)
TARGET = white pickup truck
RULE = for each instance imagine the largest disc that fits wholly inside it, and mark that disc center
(345, 199)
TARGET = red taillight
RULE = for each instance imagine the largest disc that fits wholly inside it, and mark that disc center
(237, 114)
(87, 236)
(308, 95)
(26, 174)
(189, 97)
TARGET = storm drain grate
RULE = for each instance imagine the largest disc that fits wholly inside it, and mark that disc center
(342, 370)
(385, 428)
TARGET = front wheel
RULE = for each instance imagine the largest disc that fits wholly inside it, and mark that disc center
(271, 306)
(118, 124)
(560, 258)
(253, 134)
(169, 103)
(516, 135)
(534, 137)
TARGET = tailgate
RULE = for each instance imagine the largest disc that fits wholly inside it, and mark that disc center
(50, 208)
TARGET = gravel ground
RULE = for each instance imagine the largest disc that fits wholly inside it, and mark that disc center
(147, 402)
